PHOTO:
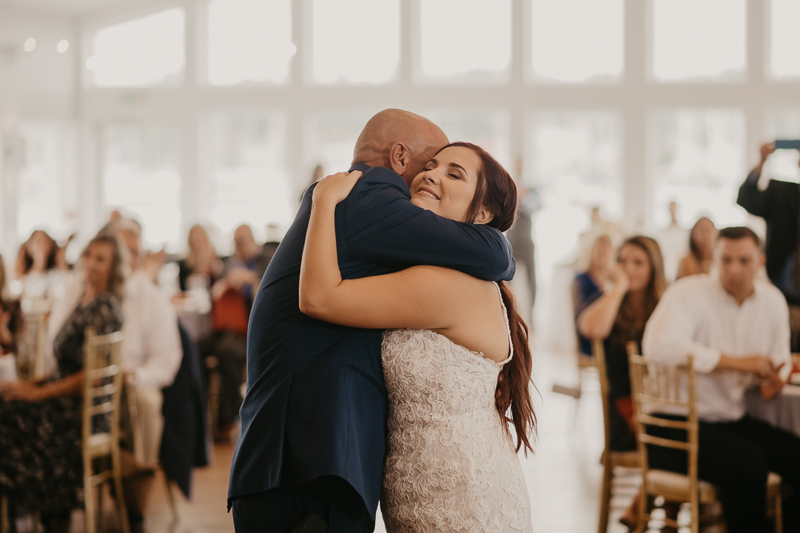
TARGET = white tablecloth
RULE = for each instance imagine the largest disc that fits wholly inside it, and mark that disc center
(783, 411)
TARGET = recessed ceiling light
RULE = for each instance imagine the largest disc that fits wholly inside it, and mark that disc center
(62, 46)
(30, 44)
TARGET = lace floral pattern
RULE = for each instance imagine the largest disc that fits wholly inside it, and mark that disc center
(450, 465)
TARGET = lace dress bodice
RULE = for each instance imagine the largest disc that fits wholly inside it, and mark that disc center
(451, 465)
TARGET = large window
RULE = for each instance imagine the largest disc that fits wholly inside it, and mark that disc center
(249, 178)
(575, 166)
(487, 129)
(465, 40)
(784, 39)
(698, 162)
(141, 178)
(355, 41)
(249, 41)
(783, 164)
(330, 140)
(699, 40)
(47, 191)
(140, 52)
(577, 40)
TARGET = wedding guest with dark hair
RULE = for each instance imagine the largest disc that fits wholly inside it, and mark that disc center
(41, 466)
(779, 205)
(736, 328)
(618, 317)
(701, 249)
(42, 266)
(201, 259)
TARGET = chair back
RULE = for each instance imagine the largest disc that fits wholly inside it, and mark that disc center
(30, 352)
(660, 388)
(599, 353)
(102, 382)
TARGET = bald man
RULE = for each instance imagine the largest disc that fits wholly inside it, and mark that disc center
(310, 454)
(233, 295)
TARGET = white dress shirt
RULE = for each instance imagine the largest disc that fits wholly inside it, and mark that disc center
(697, 317)
(151, 345)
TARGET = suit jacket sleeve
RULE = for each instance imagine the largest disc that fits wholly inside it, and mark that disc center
(755, 201)
(380, 225)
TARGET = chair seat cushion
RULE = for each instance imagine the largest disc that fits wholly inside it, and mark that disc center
(675, 487)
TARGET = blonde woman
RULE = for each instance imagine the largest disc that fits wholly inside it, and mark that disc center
(40, 445)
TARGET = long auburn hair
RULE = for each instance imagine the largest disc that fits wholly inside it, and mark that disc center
(497, 193)
(629, 325)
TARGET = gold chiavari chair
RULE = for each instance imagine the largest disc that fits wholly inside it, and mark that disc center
(659, 388)
(611, 459)
(102, 389)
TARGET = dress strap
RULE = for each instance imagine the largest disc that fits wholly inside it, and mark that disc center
(508, 326)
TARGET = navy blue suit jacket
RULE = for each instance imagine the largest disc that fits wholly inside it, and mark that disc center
(316, 399)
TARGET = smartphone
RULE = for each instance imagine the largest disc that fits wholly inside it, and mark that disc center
(786, 144)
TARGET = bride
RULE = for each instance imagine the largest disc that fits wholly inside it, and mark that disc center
(455, 356)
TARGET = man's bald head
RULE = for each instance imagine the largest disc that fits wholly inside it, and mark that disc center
(399, 140)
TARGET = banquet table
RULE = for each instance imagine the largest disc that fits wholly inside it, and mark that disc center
(783, 411)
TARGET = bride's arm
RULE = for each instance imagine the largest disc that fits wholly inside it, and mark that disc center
(419, 297)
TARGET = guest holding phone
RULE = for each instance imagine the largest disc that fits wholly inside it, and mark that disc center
(779, 206)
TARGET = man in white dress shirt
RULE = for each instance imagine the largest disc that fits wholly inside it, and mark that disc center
(737, 329)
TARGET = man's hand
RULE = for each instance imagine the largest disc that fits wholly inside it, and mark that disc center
(766, 150)
(757, 364)
(771, 387)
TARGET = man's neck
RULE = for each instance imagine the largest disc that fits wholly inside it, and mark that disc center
(742, 295)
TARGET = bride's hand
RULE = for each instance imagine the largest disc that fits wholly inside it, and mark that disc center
(335, 188)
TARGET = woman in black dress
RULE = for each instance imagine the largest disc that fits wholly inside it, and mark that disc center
(41, 467)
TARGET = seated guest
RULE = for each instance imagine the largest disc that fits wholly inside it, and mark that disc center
(588, 287)
(151, 354)
(202, 259)
(232, 296)
(41, 266)
(701, 249)
(736, 327)
(618, 317)
(41, 466)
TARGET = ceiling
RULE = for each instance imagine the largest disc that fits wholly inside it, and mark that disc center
(62, 6)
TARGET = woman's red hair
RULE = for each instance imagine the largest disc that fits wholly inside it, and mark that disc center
(497, 193)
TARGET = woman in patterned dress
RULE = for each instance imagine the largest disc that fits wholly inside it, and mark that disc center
(457, 369)
(41, 467)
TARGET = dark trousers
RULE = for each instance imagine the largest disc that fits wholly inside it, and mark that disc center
(230, 349)
(280, 510)
(737, 457)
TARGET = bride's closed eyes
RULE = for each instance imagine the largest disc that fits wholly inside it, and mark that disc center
(448, 182)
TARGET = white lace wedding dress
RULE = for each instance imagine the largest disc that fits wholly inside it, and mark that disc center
(450, 464)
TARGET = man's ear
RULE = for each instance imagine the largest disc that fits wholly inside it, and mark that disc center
(484, 216)
(399, 158)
